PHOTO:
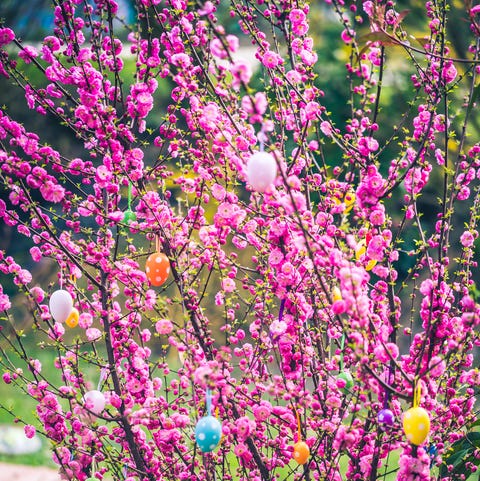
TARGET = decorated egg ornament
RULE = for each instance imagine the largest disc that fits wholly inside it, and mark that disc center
(347, 377)
(95, 400)
(60, 305)
(261, 171)
(129, 216)
(208, 431)
(72, 319)
(157, 268)
(416, 425)
(386, 417)
(301, 451)
(416, 422)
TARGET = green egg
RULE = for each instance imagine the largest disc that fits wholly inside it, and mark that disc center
(129, 216)
(347, 377)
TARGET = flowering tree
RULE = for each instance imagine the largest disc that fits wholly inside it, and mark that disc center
(263, 289)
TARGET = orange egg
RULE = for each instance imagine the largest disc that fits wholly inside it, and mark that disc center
(301, 452)
(72, 319)
(157, 268)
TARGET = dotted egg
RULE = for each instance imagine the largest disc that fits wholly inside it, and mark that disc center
(301, 452)
(386, 417)
(208, 433)
(157, 268)
(416, 425)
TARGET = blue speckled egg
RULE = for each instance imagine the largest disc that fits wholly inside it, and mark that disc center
(208, 433)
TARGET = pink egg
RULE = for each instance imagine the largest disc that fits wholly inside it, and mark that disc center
(94, 401)
(261, 171)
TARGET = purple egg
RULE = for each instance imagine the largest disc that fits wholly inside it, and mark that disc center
(386, 417)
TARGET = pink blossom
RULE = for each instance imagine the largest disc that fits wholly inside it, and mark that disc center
(467, 238)
(28, 53)
(29, 431)
(93, 334)
(228, 285)
(270, 59)
(164, 326)
(52, 192)
(6, 36)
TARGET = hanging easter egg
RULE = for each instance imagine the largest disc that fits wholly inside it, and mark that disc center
(386, 417)
(72, 319)
(129, 216)
(347, 377)
(208, 433)
(94, 401)
(301, 452)
(157, 268)
(416, 425)
(60, 305)
(261, 170)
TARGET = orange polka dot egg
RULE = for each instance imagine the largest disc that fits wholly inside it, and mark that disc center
(301, 452)
(157, 268)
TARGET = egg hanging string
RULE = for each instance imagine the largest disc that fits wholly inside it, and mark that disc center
(102, 378)
(389, 382)
(129, 198)
(208, 397)
(298, 425)
(417, 393)
(342, 348)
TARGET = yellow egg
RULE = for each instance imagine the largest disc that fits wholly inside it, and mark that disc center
(72, 319)
(370, 264)
(301, 452)
(416, 425)
(361, 249)
(336, 294)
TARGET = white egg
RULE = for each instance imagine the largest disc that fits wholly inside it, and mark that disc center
(61, 305)
(261, 170)
(94, 401)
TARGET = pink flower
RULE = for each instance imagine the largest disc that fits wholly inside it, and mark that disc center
(164, 326)
(262, 411)
(296, 16)
(52, 192)
(367, 145)
(28, 54)
(93, 334)
(242, 73)
(467, 238)
(6, 36)
(326, 128)
(36, 254)
(270, 59)
(228, 285)
(245, 427)
(29, 431)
